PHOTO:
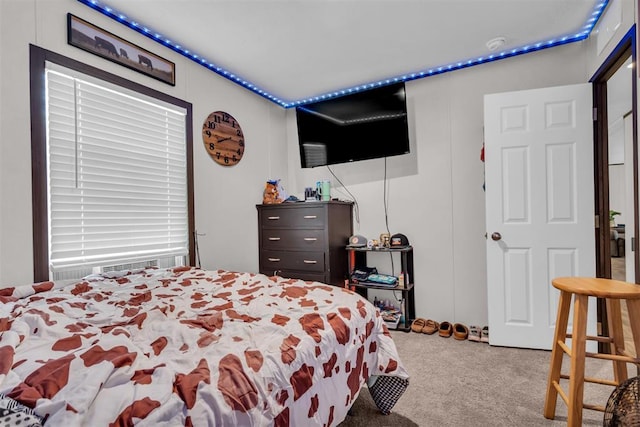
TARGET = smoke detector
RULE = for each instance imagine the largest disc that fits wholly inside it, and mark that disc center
(496, 43)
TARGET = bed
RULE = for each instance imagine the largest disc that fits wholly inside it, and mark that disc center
(186, 346)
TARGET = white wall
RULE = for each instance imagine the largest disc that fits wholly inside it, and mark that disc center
(435, 193)
(18, 29)
(2, 96)
(614, 23)
(225, 197)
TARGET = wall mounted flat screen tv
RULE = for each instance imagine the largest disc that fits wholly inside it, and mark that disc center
(359, 126)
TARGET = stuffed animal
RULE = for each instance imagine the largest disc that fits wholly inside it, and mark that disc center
(270, 193)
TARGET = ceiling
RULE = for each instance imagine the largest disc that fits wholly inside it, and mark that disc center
(295, 51)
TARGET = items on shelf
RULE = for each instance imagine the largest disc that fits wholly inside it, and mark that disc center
(357, 241)
(399, 241)
(361, 274)
(387, 241)
(396, 318)
(364, 275)
(382, 279)
(391, 314)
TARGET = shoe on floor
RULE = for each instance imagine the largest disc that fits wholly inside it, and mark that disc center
(445, 329)
(474, 333)
(484, 334)
(460, 331)
(418, 324)
(430, 327)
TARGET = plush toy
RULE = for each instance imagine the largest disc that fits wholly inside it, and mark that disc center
(270, 193)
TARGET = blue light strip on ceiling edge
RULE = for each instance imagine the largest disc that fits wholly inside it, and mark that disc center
(144, 30)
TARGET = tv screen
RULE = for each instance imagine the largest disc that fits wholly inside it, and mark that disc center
(359, 126)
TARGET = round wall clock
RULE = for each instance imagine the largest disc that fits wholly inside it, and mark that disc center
(223, 138)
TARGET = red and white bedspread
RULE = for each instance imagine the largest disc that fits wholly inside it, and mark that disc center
(187, 346)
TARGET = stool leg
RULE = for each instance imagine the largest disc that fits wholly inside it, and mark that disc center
(560, 335)
(614, 318)
(578, 352)
(633, 306)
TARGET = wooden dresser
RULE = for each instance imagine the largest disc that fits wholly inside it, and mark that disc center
(305, 240)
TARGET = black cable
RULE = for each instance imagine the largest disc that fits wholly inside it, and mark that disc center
(385, 201)
(355, 201)
(386, 211)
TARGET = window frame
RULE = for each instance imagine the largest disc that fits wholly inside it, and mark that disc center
(37, 59)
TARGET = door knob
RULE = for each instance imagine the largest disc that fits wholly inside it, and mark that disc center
(496, 236)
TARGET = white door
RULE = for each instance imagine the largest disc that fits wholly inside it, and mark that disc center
(539, 206)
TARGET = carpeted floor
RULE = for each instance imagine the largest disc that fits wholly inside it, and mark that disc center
(464, 383)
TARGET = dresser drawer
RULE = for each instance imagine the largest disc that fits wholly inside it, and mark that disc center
(314, 277)
(303, 217)
(278, 239)
(283, 260)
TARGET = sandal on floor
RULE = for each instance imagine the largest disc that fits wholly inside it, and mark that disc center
(430, 327)
(445, 329)
(418, 324)
(460, 331)
(474, 333)
(484, 334)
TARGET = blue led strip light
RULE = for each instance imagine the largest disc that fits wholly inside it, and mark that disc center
(159, 38)
(581, 34)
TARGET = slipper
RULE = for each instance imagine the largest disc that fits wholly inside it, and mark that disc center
(418, 324)
(484, 334)
(474, 333)
(445, 329)
(460, 331)
(430, 327)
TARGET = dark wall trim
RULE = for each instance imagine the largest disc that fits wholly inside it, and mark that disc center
(626, 48)
(37, 59)
(601, 181)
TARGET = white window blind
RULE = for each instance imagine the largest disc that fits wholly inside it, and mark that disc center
(117, 174)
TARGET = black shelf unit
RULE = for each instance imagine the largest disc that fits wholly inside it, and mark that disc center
(358, 258)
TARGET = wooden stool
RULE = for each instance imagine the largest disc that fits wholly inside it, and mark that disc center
(583, 288)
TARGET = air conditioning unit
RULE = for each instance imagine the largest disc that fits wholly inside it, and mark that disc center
(80, 272)
(131, 266)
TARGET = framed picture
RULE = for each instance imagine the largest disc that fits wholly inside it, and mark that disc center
(86, 36)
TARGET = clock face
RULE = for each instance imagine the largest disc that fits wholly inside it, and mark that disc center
(223, 138)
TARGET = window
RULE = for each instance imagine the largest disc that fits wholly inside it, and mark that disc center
(118, 177)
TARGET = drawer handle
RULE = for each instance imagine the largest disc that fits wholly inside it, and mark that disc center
(274, 259)
(273, 218)
(310, 216)
(310, 261)
(310, 239)
(274, 238)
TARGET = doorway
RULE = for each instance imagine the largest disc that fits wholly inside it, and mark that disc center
(620, 172)
(616, 170)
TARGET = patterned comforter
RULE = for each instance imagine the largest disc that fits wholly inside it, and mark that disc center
(186, 346)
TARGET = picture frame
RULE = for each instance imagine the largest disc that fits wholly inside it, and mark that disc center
(100, 42)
